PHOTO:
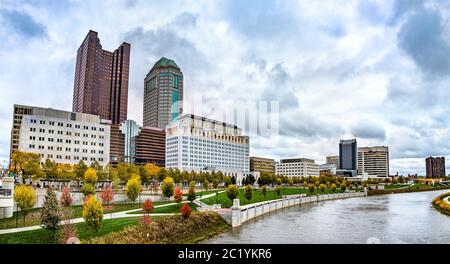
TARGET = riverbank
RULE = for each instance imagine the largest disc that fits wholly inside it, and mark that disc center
(442, 203)
(410, 189)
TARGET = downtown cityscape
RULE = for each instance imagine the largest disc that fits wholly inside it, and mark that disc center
(199, 170)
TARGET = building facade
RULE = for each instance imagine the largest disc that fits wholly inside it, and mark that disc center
(199, 144)
(333, 160)
(435, 167)
(299, 167)
(61, 136)
(101, 80)
(262, 164)
(328, 168)
(373, 161)
(348, 155)
(163, 94)
(131, 143)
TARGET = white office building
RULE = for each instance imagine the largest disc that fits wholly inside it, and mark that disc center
(373, 161)
(202, 144)
(62, 136)
(300, 167)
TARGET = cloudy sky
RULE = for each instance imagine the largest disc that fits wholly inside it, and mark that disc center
(375, 70)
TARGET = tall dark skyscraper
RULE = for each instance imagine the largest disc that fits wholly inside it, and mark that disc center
(101, 80)
(163, 94)
(348, 155)
(435, 167)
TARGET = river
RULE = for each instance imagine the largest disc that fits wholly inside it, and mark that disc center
(386, 219)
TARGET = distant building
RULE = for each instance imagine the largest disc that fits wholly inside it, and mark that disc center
(101, 80)
(348, 155)
(163, 94)
(330, 168)
(373, 161)
(299, 167)
(202, 144)
(333, 160)
(61, 136)
(262, 164)
(131, 143)
(435, 167)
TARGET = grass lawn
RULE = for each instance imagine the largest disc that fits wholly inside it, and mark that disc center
(33, 217)
(222, 198)
(44, 236)
(394, 186)
(167, 209)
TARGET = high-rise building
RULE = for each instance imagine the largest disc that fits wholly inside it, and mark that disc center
(101, 80)
(61, 136)
(202, 144)
(333, 160)
(373, 161)
(300, 167)
(139, 145)
(348, 155)
(435, 167)
(262, 164)
(163, 94)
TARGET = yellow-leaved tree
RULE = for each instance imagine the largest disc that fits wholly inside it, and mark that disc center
(25, 197)
(93, 213)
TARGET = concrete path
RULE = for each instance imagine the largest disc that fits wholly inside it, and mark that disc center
(116, 215)
(447, 200)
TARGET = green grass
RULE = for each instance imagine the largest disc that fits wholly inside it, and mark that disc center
(395, 186)
(33, 217)
(167, 209)
(417, 187)
(44, 236)
(222, 198)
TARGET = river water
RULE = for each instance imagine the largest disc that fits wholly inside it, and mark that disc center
(395, 218)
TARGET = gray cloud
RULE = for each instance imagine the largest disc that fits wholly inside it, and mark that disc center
(22, 24)
(369, 131)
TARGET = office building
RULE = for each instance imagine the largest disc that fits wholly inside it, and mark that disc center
(202, 144)
(333, 160)
(131, 143)
(101, 80)
(163, 94)
(373, 161)
(348, 155)
(61, 136)
(262, 164)
(299, 167)
(328, 168)
(435, 167)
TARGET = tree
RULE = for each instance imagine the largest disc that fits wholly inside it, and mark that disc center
(122, 171)
(66, 198)
(248, 192)
(322, 187)
(93, 213)
(311, 188)
(227, 181)
(145, 175)
(107, 194)
(178, 195)
(87, 189)
(264, 191)
(333, 187)
(279, 181)
(185, 211)
(305, 184)
(133, 188)
(215, 183)
(32, 166)
(278, 190)
(79, 170)
(147, 207)
(25, 197)
(50, 169)
(168, 187)
(343, 186)
(205, 185)
(191, 194)
(232, 192)
(50, 213)
(90, 176)
(233, 180)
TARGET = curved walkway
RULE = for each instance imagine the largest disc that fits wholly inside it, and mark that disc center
(446, 200)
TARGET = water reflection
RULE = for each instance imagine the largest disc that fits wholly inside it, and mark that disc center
(397, 218)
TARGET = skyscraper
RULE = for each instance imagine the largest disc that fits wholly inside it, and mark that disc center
(348, 155)
(163, 94)
(374, 161)
(435, 167)
(101, 80)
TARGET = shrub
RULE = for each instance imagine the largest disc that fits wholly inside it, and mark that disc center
(264, 191)
(168, 187)
(278, 190)
(311, 188)
(90, 176)
(343, 186)
(93, 213)
(178, 195)
(333, 187)
(322, 187)
(185, 211)
(147, 207)
(206, 184)
(232, 192)
(191, 194)
(87, 190)
(66, 197)
(107, 195)
(50, 215)
(25, 197)
(248, 192)
(133, 188)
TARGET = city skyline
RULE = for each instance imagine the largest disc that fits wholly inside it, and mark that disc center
(375, 114)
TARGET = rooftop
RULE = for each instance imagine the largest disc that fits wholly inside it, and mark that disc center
(165, 62)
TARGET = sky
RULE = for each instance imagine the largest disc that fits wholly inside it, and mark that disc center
(378, 71)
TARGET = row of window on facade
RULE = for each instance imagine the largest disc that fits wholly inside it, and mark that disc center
(51, 156)
(68, 133)
(60, 124)
(67, 141)
(93, 151)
